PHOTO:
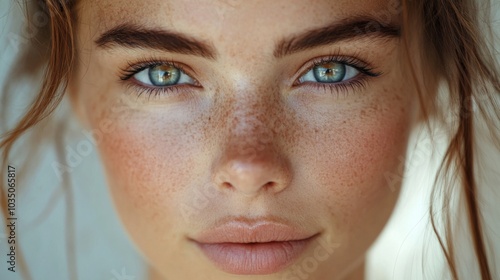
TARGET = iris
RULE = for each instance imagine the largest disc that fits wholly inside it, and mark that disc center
(164, 75)
(329, 72)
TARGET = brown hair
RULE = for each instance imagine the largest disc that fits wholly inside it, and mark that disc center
(453, 44)
(454, 47)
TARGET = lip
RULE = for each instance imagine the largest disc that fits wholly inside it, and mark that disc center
(251, 247)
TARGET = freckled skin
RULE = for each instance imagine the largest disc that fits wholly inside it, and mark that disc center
(176, 165)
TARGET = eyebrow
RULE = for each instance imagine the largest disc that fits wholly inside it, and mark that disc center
(347, 29)
(134, 36)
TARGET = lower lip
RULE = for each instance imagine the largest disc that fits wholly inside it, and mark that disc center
(257, 258)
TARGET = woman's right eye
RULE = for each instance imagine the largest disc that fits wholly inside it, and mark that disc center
(163, 75)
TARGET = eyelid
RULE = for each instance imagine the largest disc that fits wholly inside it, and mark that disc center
(141, 65)
(360, 65)
(145, 75)
(142, 90)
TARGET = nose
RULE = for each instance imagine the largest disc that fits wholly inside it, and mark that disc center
(251, 163)
(253, 174)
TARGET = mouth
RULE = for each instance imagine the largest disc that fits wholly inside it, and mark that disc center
(264, 247)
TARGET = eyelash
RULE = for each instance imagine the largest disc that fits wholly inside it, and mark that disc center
(365, 71)
(136, 67)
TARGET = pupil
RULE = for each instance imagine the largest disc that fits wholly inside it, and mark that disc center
(164, 75)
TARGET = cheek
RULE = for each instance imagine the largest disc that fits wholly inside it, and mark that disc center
(358, 159)
(365, 152)
(362, 161)
(148, 158)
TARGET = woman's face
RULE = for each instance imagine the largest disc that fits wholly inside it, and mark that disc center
(239, 138)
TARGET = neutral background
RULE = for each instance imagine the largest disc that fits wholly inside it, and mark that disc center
(103, 251)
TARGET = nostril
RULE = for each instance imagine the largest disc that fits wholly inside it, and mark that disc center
(226, 185)
(233, 173)
(269, 185)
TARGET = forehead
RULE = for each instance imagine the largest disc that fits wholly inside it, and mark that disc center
(219, 19)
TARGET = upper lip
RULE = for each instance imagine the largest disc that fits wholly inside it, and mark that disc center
(245, 230)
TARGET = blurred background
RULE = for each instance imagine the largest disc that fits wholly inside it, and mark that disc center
(54, 221)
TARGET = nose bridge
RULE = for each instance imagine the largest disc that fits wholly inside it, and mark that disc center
(250, 128)
(251, 159)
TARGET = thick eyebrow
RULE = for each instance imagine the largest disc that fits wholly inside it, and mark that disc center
(347, 29)
(134, 36)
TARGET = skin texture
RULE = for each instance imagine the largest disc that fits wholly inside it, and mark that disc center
(178, 163)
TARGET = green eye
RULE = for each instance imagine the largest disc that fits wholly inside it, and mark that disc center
(329, 73)
(163, 75)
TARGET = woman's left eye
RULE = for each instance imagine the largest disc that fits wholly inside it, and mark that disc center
(163, 75)
(329, 73)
